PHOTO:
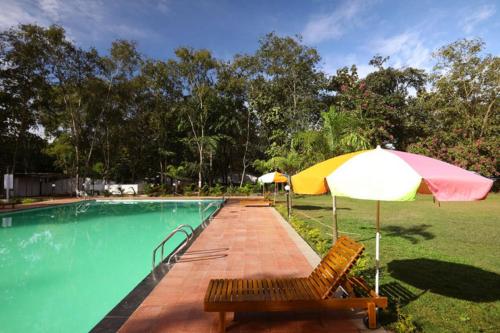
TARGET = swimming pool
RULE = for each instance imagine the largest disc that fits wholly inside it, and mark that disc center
(62, 269)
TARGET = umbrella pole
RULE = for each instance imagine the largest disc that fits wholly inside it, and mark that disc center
(377, 249)
(335, 225)
(275, 194)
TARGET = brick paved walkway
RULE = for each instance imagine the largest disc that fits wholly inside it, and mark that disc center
(240, 242)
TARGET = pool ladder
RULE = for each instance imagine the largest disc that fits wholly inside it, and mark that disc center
(82, 207)
(212, 204)
(182, 229)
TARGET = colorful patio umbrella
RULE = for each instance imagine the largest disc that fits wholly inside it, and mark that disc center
(389, 175)
(272, 177)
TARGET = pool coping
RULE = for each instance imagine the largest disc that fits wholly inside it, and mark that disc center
(120, 313)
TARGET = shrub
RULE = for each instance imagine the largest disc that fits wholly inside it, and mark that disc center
(313, 236)
(404, 323)
(231, 190)
(29, 200)
(148, 189)
(245, 189)
(216, 190)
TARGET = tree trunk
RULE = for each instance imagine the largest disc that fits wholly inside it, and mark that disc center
(486, 116)
(200, 168)
(77, 169)
(246, 149)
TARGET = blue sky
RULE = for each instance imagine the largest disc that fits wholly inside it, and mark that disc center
(344, 32)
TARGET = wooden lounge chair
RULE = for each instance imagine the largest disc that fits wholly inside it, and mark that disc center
(315, 292)
(255, 203)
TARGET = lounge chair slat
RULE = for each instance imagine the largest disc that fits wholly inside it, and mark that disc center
(229, 289)
(286, 289)
(209, 291)
(314, 284)
(277, 292)
(218, 285)
(307, 288)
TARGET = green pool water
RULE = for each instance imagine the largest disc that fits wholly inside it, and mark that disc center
(62, 269)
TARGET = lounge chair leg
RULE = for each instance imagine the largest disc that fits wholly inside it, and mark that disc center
(222, 319)
(372, 316)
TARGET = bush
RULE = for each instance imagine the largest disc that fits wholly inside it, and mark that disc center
(404, 323)
(313, 236)
(246, 189)
(216, 190)
(157, 190)
(231, 190)
(148, 189)
(29, 200)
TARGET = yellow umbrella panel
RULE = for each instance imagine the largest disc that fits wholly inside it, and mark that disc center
(313, 180)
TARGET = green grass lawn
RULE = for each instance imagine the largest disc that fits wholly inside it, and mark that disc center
(443, 261)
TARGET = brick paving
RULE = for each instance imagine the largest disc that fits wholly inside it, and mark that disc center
(248, 242)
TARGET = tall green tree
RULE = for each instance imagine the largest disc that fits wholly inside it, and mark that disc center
(287, 91)
(464, 108)
(24, 91)
(197, 73)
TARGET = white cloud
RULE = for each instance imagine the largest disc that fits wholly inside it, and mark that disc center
(333, 25)
(13, 13)
(85, 21)
(475, 17)
(405, 50)
(334, 62)
(163, 6)
(51, 8)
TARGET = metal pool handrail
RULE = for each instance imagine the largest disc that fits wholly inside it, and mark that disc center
(180, 228)
(206, 208)
(82, 207)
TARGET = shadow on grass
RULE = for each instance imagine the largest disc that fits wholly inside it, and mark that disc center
(311, 207)
(449, 279)
(412, 234)
(397, 293)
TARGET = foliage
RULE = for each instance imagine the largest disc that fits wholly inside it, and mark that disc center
(404, 323)
(216, 190)
(29, 200)
(126, 117)
(313, 236)
(342, 130)
(464, 108)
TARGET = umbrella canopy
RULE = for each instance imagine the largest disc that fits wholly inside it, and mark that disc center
(313, 180)
(272, 177)
(390, 175)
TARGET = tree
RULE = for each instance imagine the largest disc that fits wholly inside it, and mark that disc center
(23, 92)
(75, 99)
(380, 102)
(119, 70)
(463, 107)
(287, 90)
(236, 83)
(197, 69)
(342, 130)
